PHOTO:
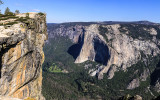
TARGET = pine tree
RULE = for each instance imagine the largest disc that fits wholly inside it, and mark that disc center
(0, 4)
(17, 12)
(7, 11)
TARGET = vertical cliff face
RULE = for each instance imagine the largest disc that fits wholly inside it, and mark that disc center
(117, 47)
(21, 57)
(94, 47)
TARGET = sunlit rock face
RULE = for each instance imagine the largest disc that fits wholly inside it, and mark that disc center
(21, 58)
(93, 47)
(115, 46)
(112, 48)
(126, 50)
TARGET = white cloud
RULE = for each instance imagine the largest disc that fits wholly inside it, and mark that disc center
(37, 10)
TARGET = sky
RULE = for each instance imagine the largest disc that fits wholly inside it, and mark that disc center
(59, 11)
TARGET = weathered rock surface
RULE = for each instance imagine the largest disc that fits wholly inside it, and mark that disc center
(157, 86)
(133, 84)
(21, 58)
(8, 98)
(73, 32)
(137, 97)
(126, 51)
(94, 47)
(144, 75)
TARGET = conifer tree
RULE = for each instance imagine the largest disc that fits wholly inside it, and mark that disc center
(17, 12)
(0, 4)
(7, 11)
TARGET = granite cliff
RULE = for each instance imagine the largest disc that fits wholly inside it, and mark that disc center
(22, 39)
(116, 46)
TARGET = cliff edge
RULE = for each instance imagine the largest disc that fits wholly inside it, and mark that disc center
(21, 55)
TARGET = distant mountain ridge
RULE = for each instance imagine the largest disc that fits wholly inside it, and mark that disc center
(132, 22)
(112, 22)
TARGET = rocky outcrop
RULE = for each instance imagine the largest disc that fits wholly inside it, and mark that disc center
(157, 86)
(116, 46)
(133, 84)
(73, 32)
(9, 98)
(125, 50)
(21, 57)
(136, 82)
(137, 97)
(129, 97)
(144, 75)
(119, 49)
(94, 47)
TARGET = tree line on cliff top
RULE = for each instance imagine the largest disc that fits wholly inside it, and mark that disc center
(7, 10)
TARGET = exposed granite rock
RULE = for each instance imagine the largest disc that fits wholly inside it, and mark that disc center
(129, 97)
(144, 75)
(134, 83)
(112, 46)
(137, 97)
(21, 58)
(73, 32)
(8, 98)
(152, 31)
(93, 72)
(111, 71)
(121, 50)
(126, 51)
(157, 86)
(94, 47)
